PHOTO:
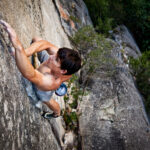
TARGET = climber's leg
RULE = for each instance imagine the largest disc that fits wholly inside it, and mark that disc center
(54, 106)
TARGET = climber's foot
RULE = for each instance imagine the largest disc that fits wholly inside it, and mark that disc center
(48, 115)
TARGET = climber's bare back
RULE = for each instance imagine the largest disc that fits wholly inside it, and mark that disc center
(50, 68)
(46, 67)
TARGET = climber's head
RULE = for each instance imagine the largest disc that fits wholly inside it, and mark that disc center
(70, 60)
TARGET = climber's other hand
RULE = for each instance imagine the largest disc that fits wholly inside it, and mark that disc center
(9, 29)
(12, 34)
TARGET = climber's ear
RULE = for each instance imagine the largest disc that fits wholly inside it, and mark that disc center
(63, 71)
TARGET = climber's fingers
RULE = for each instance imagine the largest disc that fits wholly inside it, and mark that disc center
(4, 23)
(6, 26)
(12, 34)
(9, 29)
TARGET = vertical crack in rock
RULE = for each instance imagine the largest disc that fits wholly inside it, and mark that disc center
(55, 5)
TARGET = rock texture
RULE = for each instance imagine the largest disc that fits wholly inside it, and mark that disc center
(124, 39)
(73, 15)
(113, 117)
(21, 125)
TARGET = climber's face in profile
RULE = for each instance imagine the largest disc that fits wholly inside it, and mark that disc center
(65, 62)
(55, 65)
(69, 59)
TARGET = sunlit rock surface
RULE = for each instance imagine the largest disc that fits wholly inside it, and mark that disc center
(113, 117)
(21, 125)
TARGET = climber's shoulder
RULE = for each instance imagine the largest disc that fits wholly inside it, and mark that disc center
(49, 82)
(45, 81)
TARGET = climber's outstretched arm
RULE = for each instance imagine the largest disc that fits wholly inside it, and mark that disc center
(44, 82)
(40, 46)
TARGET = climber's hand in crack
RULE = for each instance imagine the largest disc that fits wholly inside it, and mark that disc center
(12, 35)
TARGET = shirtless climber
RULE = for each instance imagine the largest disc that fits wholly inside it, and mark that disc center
(57, 66)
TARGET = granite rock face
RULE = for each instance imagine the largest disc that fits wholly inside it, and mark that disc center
(124, 39)
(73, 15)
(113, 116)
(21, 125)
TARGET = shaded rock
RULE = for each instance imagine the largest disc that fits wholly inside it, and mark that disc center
(123, 37)
(113, 116)
(73, 15)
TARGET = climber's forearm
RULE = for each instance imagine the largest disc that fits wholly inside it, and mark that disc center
(24, 64)
(40, 46)
(22, 61)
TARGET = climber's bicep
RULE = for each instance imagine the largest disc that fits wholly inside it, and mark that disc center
(43, 82)
(52, 50)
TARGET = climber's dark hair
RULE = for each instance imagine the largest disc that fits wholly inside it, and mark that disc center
(70, 60)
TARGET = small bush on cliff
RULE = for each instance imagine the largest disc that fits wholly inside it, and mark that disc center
(95, 50)
(72, 99)
(141, 71)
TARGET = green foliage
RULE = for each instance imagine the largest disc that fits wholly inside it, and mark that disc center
(135, 14)
(105, 25)
(94, 48)
(71, 120)
(141, 71)
(99, 12)
(75, 94)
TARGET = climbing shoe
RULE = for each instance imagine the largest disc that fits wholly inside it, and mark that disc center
(48, 115)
